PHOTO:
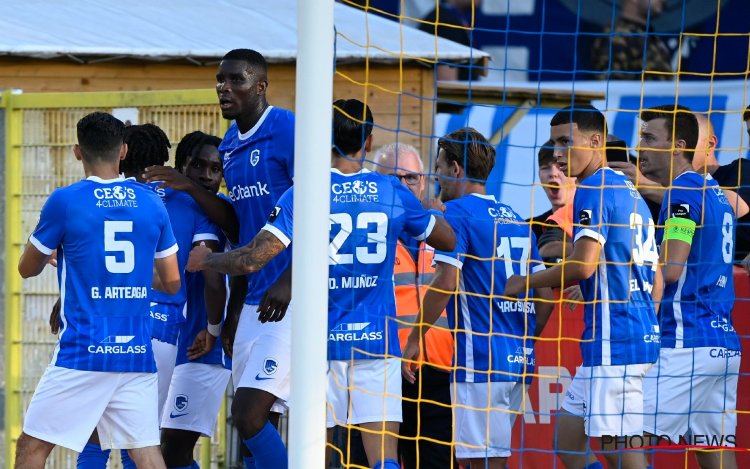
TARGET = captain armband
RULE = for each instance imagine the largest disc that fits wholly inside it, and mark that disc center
(680, 229)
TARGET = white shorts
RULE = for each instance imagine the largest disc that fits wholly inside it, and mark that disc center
(483, 416)
(363, 391)
(608, 398)
(262, 355)
(695, 390)
(195, 396)
(165, 355)
(69, 404)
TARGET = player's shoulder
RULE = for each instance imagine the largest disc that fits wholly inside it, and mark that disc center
(282, 116)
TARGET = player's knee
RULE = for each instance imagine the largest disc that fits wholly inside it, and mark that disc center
(248, 419)
(177, 447)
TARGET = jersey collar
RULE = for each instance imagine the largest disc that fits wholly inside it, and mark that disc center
(105, 181)
(484, 196)
(361, 171)
(257, 125)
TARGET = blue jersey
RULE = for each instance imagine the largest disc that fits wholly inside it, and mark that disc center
(189, 225)
(107, 235)
(492, 243)
(620, 320)
(696, 310)
(258, 168)
(368, 213)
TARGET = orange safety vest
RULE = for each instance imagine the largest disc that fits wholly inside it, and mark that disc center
(410, 285)
(563, 216)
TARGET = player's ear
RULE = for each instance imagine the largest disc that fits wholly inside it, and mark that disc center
(77, 152)
(123, 151)
(261, 86)
(368, 144)
(595, 140)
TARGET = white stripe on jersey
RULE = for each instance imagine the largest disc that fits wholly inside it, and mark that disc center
(469, 351)
(63, 324)
(677, 309)
(606, 330)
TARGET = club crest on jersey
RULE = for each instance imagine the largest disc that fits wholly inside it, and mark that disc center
(274, 214)
(680, 210)
(180, 402)
(254, 157)
(270, 365)
(584, 217)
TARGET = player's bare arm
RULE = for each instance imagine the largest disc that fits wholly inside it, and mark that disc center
(442, 288)
(245, 260)
(214, 294)
(32, 261)
(218, 210)
(544, 303)
(277, 298)
(442, 237)
(168, 272)
(580, 265)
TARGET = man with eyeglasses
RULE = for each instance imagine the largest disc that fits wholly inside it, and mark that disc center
(426, 414)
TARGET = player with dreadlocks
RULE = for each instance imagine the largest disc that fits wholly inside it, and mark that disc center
(148, 145)
(196, 379)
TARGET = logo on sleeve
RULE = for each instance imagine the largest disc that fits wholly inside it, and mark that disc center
(270, 366)
(680, 210)
(584, 217)
(274, 214)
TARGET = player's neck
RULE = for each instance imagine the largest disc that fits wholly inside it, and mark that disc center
(348, 164)
(597, 162)
(247, 122)
(105, 171)
(469, 187)
(679, 168)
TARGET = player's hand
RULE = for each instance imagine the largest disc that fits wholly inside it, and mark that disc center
(54, 318)
(515, 285)
(53, 259)
(169, 177)
(197, 259)
(574, 296)
(434, 204)
(227, 334)
(411, 358)
(276, 300)
(203, 343)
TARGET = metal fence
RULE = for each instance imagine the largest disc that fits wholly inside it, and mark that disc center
(39, 134)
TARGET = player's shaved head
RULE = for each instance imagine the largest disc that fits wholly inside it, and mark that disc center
(255, 61)
(100, 137)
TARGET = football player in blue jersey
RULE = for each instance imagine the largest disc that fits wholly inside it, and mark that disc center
(110, 235)
(494, 357)
(615, 260)
(149, 145)
(258, 159)
(692, 389)
(200, 378)
(368, 213)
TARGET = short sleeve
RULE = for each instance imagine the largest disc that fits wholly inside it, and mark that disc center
(457, 220)
(50, 230)
(591, 214)
(680, 203)
(205, 230)
(419, 222)
(281, 220)
(167, 244)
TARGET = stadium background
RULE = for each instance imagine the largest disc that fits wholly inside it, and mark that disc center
(534, 44)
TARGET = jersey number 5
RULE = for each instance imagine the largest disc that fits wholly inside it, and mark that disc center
(125, 249)
(363, 253)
